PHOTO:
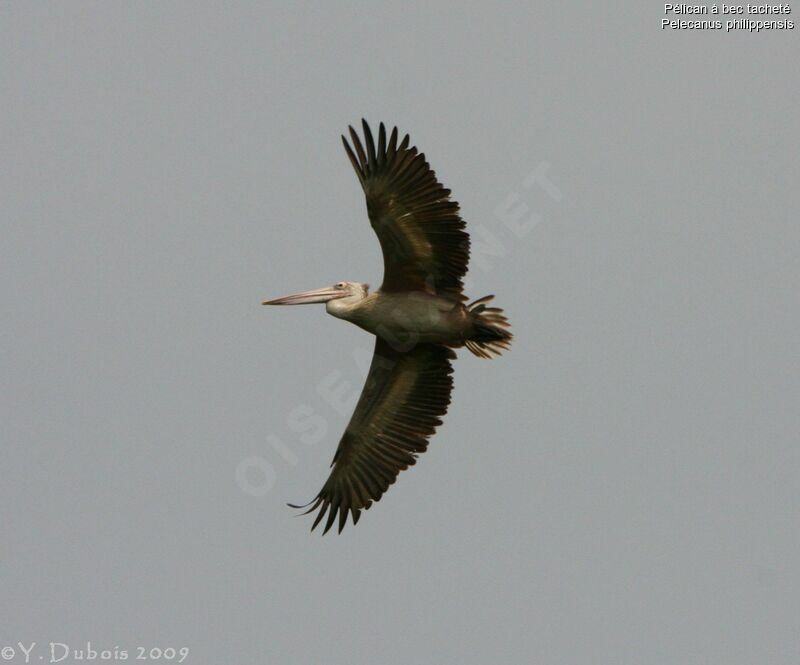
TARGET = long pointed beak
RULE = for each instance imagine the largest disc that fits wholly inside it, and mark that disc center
(307, 297)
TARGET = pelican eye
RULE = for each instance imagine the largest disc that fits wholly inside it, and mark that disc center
(340, 285)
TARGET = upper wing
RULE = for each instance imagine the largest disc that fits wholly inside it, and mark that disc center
(424, 245)
(399, 409)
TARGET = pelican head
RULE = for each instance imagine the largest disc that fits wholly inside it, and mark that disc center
(345, 293)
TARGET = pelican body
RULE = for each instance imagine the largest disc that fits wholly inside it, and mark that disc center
(417, 316)
(401, 319)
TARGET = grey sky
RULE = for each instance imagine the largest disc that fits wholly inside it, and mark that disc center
(620, 488)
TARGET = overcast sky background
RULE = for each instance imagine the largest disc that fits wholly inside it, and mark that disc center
(621, 488)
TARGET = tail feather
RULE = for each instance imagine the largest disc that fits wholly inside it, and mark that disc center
(490, 329)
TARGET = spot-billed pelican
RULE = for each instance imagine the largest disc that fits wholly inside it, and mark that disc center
(417, 316)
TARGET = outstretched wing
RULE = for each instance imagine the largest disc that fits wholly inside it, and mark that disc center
(403, 399)
(424, 245)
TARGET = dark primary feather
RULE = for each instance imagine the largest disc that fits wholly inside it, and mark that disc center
(421, 233)
(404, 397)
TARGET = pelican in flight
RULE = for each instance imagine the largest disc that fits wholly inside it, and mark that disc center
(418, 316)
